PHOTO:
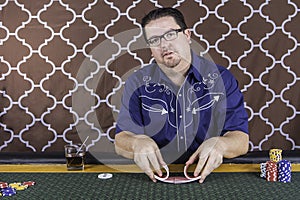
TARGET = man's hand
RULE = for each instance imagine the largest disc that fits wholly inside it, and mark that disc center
(209, 155)
(147, 155)
(143, 150)
(211, 152)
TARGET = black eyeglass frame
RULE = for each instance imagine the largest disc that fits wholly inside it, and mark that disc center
(163, 36)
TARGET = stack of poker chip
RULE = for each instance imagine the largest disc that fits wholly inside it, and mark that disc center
(11, 188)
(276, 169)
(284, 171)
(275, 155)
(8, 191)
(263, 170)
(271, 171)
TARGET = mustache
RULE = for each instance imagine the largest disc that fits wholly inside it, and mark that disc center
(167, 52)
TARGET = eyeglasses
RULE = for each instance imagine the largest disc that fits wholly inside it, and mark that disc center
(168, 36)
(177, 180)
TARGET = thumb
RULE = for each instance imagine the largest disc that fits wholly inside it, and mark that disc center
(192, 159)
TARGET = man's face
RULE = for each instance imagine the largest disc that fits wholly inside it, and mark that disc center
(173, 53)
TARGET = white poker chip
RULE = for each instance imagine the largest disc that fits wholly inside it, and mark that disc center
(105, 176)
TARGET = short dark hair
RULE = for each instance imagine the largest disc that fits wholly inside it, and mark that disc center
(164, 12)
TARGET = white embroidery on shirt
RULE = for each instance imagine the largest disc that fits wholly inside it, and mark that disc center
(152, 109)
(192, 103)
(210, 80)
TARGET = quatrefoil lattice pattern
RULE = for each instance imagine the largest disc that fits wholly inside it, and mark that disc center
(63, 64)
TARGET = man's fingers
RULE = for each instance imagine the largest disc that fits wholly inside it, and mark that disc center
(206, 171)
(151, 175)
(192, 158)
(149, 162)
(160, 158)
(154, 162)
(201, 163)
(142, 161)
(147, 156)
(211, 164)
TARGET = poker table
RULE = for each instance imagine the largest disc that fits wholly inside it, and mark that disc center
(229, 181)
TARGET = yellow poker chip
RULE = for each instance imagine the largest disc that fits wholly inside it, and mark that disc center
(14, 185)
(275, 155)
(21, 187)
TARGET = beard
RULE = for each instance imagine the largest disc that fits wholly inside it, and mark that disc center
(171, 61)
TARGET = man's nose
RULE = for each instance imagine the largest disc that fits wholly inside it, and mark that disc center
(163, 42)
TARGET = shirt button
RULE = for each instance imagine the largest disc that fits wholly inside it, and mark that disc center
(179, 95)
(180, 116)
(181, 137)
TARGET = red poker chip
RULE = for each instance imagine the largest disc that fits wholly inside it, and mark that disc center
(3, 185)
(272, 163)
(273, 173)
(271, 179)
(29, 183)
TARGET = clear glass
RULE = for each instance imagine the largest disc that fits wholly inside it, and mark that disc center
(75, 156)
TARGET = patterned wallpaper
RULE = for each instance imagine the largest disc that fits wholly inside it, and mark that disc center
(63, 64)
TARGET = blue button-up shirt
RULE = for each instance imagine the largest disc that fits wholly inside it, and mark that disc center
(179, 118)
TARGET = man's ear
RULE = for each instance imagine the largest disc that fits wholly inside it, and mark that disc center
(188, 34)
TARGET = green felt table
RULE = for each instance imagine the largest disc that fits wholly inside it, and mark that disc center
(220, 185)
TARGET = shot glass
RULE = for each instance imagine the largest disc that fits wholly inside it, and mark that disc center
(75, 156)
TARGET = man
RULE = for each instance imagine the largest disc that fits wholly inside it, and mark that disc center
(181, 104)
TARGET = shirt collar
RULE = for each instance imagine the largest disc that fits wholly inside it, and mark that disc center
(195, 67)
